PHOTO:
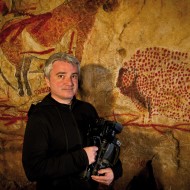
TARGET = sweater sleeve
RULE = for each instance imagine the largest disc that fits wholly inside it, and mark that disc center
(38, 163)
(117, 170)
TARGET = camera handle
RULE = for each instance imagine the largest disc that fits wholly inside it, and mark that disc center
(107, 155)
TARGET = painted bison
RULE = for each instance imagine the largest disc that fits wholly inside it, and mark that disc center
(158, 80)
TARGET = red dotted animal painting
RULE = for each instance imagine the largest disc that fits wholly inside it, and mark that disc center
(158, 80)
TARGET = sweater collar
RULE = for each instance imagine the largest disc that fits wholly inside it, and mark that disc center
(48, 100)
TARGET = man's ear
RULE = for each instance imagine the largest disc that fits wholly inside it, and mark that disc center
(47, 81)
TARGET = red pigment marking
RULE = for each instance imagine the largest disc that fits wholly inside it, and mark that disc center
(157, 127)
(161, 79)
(39, 52)
(13, 119)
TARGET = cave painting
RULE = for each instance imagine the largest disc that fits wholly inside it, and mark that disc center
(65, 28)
(158, 80)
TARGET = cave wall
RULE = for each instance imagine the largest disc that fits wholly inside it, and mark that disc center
(135, 69)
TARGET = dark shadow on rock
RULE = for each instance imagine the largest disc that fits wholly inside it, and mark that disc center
(96, 86)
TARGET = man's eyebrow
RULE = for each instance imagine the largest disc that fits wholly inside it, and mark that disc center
(76, 73)
(60, 73)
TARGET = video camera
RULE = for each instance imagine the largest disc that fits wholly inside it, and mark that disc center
(103, 135)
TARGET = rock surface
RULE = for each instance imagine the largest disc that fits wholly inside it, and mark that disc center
(135, 69)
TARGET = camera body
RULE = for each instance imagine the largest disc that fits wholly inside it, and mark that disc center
(103, 135)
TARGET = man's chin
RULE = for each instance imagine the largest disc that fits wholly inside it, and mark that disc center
(68, 96)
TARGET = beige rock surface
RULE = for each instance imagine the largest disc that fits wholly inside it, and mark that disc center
(154, 109)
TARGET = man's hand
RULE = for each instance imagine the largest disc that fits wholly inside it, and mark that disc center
(106, 176)
(91, 152)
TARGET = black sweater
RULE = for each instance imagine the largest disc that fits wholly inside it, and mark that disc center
(55, 135)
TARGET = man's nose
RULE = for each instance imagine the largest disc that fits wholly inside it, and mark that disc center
(69, 81)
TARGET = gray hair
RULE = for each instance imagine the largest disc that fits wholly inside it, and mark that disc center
(61, 56)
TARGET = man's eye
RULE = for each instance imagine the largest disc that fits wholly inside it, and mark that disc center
(75, 76)
(60, 76)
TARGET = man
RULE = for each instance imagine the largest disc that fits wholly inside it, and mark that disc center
(55, 151)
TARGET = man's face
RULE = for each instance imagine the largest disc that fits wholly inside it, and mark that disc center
(63, 81)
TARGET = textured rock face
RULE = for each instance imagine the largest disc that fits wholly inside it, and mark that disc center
(158, 80)
(135, 68)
